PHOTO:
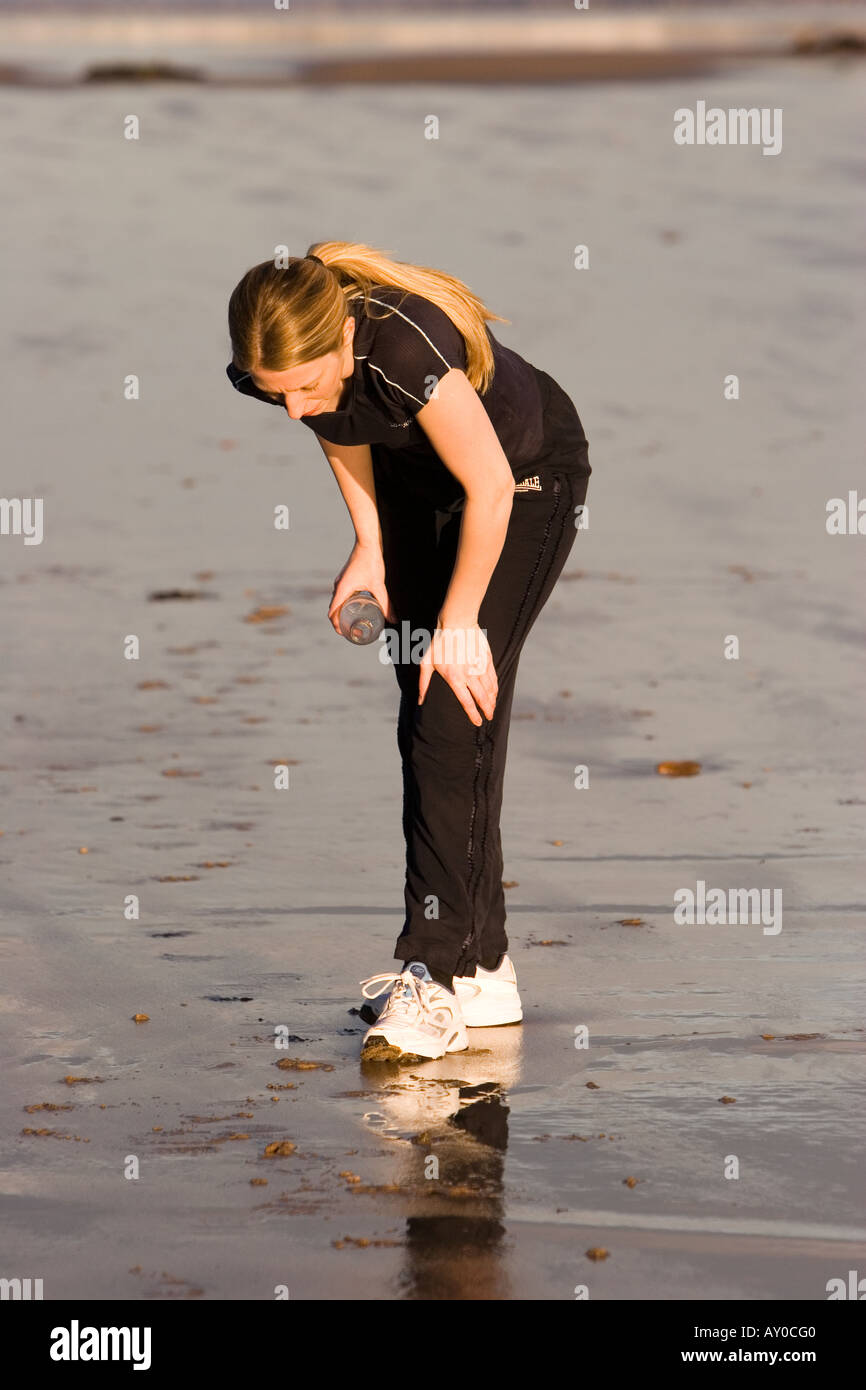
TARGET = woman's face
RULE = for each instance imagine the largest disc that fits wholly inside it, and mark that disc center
(315, 386)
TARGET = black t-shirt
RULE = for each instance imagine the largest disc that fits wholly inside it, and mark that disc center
(399, 358)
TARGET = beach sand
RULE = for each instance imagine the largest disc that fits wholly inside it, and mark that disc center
(261, 908)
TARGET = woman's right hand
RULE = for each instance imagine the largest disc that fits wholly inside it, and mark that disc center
(364, 569)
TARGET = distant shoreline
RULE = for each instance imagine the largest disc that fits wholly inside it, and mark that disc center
(65, 48)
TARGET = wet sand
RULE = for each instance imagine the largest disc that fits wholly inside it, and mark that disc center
(261, 908)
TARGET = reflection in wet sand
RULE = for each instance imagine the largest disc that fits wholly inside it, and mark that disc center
(452, 1132)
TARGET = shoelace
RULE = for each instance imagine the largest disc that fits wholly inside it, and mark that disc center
(410, 996)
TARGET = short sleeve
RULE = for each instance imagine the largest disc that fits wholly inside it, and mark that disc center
(242, 381)
(414, 348)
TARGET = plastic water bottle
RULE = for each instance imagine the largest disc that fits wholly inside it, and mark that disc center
(361, 618)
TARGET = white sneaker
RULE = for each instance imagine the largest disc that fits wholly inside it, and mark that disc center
(421, 1020)
(489, 997)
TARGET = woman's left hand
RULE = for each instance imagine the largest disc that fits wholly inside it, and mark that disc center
(463, 659)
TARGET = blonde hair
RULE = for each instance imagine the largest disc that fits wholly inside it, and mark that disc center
(282, 317)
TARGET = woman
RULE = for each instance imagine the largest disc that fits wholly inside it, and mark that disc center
(462, 467)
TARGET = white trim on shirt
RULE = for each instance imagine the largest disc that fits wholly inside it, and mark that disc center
(373, 366)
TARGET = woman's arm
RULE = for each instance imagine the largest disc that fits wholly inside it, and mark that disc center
(352, 466)
(461, 432)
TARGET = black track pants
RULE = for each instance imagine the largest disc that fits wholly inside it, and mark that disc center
(453, 770)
